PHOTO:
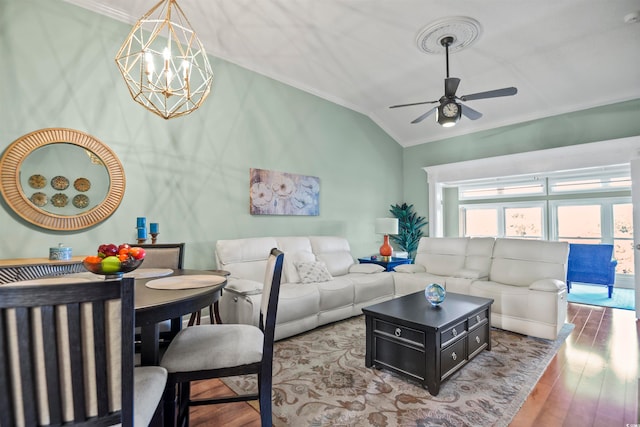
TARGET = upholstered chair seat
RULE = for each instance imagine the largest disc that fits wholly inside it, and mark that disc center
(192, 349)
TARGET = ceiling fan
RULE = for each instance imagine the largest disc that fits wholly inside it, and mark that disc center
(450, 110)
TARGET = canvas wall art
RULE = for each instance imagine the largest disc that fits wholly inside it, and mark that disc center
(281, 193)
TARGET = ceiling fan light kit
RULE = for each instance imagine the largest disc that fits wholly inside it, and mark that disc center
(453, 33)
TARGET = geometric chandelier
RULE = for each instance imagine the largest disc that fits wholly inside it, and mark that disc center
(164, 63)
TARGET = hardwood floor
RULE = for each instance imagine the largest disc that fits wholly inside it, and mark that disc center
(592, 381)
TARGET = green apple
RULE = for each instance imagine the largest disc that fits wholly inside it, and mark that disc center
(110, 264)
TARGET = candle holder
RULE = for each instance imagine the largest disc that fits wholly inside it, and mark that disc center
(141, 241)
(154, 237)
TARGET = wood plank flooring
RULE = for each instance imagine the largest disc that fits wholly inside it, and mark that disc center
(592, 381)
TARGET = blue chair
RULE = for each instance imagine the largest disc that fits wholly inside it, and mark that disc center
(591, 264)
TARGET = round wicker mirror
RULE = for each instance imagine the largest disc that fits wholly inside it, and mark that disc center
(61, 179)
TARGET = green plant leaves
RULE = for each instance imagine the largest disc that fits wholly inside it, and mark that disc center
(409, 228)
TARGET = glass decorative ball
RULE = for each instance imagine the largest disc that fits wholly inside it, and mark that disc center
(435, 294)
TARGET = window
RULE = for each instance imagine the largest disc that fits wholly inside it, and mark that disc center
(601, 220)
(522, 220)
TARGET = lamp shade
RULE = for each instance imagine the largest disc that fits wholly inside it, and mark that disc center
(386, 225)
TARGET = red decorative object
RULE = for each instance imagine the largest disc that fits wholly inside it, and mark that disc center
(386, 249)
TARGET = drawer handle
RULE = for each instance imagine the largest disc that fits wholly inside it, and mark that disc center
(454, 332)
(478, 339)
(454, 356)
(478, 318)
(398, 332)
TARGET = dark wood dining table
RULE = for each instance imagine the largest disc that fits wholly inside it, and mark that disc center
(154, 306)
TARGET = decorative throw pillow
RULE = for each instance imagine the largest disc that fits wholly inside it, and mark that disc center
(313, 272)
(367, 268)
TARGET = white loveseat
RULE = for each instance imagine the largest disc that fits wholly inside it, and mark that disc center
(302, 306)
(525, 278)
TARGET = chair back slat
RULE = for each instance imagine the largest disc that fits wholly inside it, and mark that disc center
(100, 351)
(27, 368)
(49, 338)
(59, 346)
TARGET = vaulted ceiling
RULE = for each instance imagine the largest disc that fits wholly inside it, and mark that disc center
(563, 56)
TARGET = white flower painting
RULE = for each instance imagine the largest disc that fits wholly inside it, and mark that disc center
(281, 193)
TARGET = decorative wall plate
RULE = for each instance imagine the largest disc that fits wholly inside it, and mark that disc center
(82, 184)
(39, 199)
(59, 182)
(37, 181)
(80, 201)
(59, 200)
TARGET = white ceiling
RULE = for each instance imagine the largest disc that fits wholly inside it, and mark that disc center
(562, 55)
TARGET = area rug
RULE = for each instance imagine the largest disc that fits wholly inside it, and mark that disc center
(597, 295)
(320, 380)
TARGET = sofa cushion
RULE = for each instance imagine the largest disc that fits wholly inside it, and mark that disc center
(479, 254)
(442, 256)
(291, 259)
(245, 258)
(410, 268)
(335, 293)
(370, 287)
(297, 302)
(367, 268)
(313, 272)
(334, 252)
(520, 262)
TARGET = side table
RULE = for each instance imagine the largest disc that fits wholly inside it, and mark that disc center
(389, 265)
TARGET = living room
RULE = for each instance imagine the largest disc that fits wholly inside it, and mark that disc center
(191, 174)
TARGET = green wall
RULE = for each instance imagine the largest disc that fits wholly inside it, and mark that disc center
(592, 125)
(190, 174)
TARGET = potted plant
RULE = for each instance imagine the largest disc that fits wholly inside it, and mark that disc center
(409, 228)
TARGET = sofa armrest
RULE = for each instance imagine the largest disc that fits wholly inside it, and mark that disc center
(471, 274)
(244, 286)
(410, 268)
(548, 285)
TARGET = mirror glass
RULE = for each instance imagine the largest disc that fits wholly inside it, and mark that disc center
(61, 179)
(64, 179)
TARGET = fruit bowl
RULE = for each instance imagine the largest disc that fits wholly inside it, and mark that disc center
(113, 271)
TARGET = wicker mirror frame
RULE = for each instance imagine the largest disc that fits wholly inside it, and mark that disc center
(17, 200)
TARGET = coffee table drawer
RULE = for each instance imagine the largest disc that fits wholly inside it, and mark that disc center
(453, 333)
(400, 357)
(401, 332)
(452, 357)
(478, 339)
(477, 319)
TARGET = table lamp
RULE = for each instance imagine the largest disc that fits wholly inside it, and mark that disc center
(386, 226)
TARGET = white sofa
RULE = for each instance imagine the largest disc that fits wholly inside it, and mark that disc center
(525, 278)
(302, 306)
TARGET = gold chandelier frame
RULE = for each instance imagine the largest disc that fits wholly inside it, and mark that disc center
(164, 63)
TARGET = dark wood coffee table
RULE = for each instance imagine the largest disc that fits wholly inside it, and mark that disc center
(428, 344)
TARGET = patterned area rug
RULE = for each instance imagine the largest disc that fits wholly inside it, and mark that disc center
(320, 380)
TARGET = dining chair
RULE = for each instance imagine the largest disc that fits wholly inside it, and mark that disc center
(215, 351)
(164, 255)
(66, 356)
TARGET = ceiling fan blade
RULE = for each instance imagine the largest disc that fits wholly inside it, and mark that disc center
(450, 86)
(507, 91)
(413, 103)
(425, 115)
(470, 113)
